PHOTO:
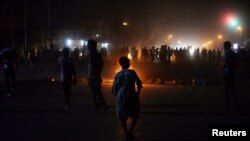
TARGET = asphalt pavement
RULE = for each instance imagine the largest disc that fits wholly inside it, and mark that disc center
(168, 112)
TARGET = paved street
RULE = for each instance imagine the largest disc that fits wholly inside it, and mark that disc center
(169, 112)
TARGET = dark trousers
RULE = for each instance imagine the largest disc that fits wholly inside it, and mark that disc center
(66, 85)
(95, 92)
(229, 87)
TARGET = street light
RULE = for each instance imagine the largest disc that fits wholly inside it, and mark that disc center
(234, 22)
(125, 23)
(220, 40)
(239, 28)
(219, 37)
(97, 35)
(69, 42)
(169, 37)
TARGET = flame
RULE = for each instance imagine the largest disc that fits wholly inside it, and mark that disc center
(129, 56)
(133, 66)
(117, 68)
(173, 58)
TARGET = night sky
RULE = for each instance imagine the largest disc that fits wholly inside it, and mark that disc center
(193, 21)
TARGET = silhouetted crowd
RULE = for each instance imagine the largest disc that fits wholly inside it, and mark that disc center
(168, 55)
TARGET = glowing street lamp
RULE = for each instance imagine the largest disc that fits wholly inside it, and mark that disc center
(125, 23)
(234, 22)
(97, 35)
(169, 37)
(239, 28)
(231, 20)
(220, 40)
(69, 42)
(219, 37)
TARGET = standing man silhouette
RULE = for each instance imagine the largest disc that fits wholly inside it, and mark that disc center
(95, 67)
(230, 64)
(68, 74)
(8, 56)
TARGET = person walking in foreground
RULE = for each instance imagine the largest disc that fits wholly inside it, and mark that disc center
(230, 64)
(68, 74)
(8, 56)
(127, 98)
(95, 66)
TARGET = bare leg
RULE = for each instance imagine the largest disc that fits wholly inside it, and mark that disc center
(134, 121)
(124, 126)
(130, 132)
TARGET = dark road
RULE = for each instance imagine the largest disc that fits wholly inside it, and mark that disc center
(168, 112)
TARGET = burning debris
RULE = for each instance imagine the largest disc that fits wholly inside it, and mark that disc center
(171, 82)
(158, 81)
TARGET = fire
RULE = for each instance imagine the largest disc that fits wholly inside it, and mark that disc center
(129, 56)
(117, 68)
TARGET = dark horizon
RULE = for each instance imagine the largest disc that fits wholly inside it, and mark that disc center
(193, 21)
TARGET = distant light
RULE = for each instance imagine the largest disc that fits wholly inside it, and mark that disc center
(129, 56)
(234, 22)
(228, 18)
(209, 42)
(239, 28)
(80, 54)
(191, 51)
(97, 35)
(53, 80)
(84, 43)
(105, 45)
(235, 46)
(69, 42)
(125, 24)
(60, 49)
(220, 36)
(231, 20)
